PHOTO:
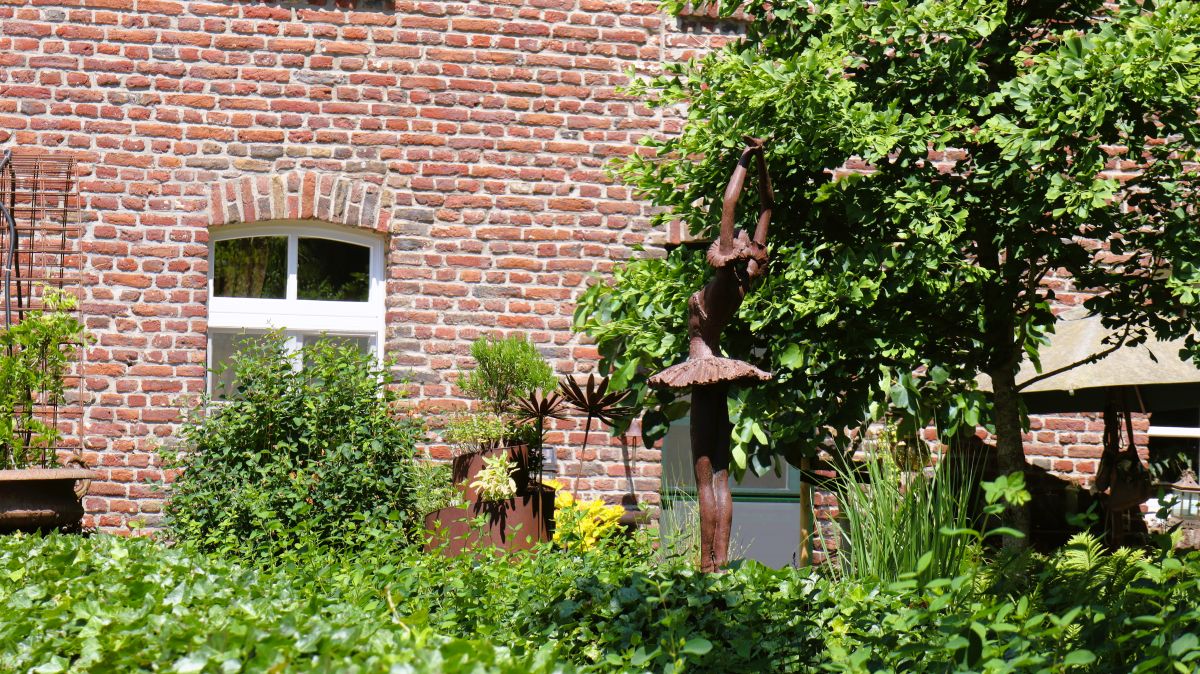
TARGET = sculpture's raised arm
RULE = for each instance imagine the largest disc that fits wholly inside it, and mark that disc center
(766, 204)
(766, 195)
(732, 191)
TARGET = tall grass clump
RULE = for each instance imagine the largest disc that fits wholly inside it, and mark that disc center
(895, 510)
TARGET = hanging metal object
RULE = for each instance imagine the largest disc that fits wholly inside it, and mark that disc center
(1187, 497)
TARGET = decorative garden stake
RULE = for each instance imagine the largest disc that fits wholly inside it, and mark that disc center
(709, 375)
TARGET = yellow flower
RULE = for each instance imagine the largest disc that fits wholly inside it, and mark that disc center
(583, 525)
(564, 499)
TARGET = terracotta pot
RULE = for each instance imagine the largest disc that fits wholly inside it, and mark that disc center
(42, 498)
(519, 523)
(466, 466)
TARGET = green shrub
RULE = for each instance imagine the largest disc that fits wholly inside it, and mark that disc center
(433, 487)
(475, 432)
(294, 456)
(1143, 620)
(110, 605)
(506, 369)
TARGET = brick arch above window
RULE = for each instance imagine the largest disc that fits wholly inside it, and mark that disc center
(302, 195)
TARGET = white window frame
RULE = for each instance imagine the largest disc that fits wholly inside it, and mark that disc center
(1185, 432)
(294, 316)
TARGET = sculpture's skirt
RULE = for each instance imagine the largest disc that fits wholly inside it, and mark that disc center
(707, 371)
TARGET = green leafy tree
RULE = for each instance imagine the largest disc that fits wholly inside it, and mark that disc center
(936, 164)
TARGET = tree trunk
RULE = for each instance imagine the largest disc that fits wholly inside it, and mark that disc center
(1010, 451)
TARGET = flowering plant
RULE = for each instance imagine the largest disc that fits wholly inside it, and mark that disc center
(582, 525)
(494, 481)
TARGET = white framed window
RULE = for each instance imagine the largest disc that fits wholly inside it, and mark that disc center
(306, 278)
(1175, 446)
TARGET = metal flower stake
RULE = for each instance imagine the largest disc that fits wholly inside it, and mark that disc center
(596, 401)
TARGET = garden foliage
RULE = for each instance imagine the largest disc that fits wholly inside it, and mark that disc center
(891, 519)
(108, 605)
(36, 354)
(506, 369)
(294, 455)
(989, 129)
(105, 604)
(494, 482)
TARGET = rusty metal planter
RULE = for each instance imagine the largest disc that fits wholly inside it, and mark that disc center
(466, 466)
(42, 498)
(518, 523)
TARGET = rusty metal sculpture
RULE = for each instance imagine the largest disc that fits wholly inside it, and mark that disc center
(738, 261)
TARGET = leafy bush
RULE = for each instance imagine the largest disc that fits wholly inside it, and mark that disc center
(108, 604)
(119, 605)
(475, 432)
(35, 355)
(433, 486)
(506, 369)
(295, 455)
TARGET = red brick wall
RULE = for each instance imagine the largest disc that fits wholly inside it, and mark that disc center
(476, 134)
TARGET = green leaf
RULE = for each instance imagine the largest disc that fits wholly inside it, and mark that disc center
(697, 646)
(1184, 644)
(924, 562)
(792, 357)
(1078, 658)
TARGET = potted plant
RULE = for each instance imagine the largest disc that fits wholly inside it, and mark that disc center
(506, 372)
(497, 451)
(506, 504)
(35, 356)
(475, 437)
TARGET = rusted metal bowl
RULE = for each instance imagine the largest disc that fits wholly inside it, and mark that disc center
(35, 499)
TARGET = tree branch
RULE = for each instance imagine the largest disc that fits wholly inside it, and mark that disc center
(1085, 361)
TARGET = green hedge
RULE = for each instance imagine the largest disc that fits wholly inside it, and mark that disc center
(108, 605)
(105, 604)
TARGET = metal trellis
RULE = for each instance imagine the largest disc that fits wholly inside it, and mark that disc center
(40, 228)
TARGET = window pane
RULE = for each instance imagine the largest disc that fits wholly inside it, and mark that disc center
(224, 346)
(254, 266)
(768, 481)
(333, 271)
(677, 469)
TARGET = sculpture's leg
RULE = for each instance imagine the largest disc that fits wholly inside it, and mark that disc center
(710, 451)
(708, 511)
(721, 490)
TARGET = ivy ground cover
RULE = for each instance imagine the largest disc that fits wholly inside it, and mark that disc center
(103, 604)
